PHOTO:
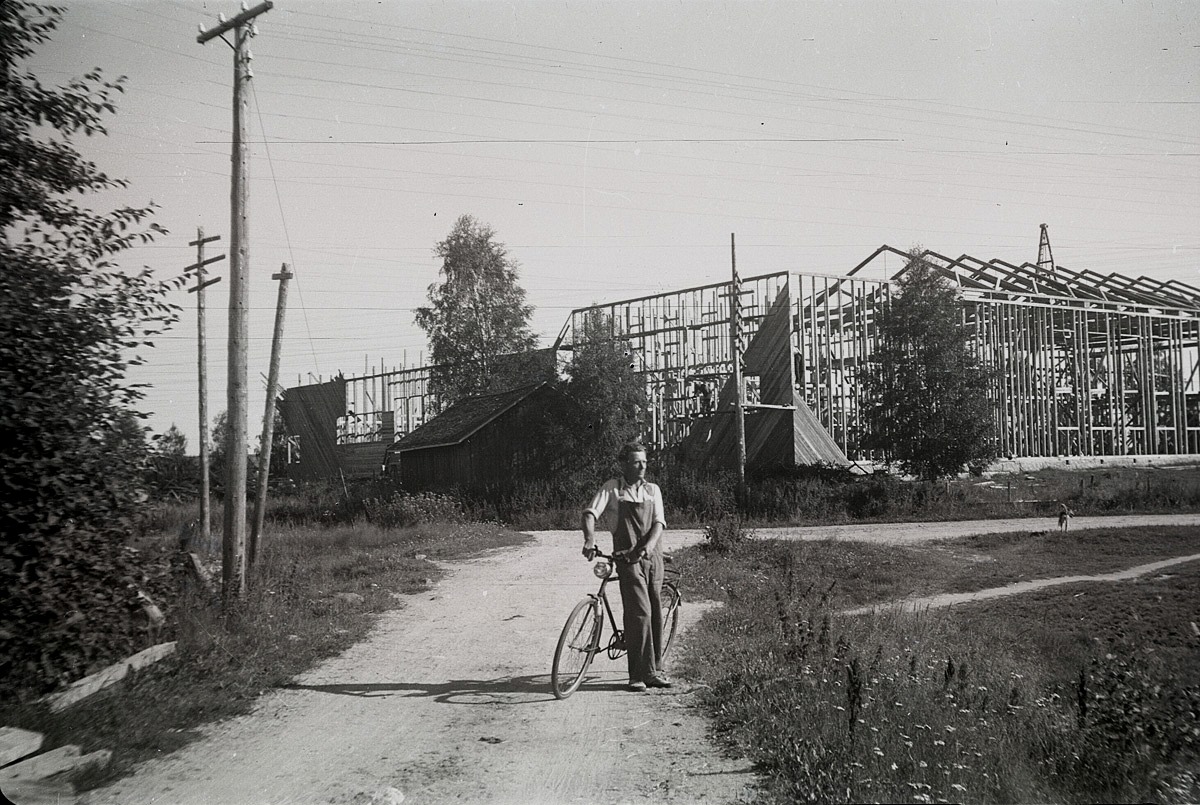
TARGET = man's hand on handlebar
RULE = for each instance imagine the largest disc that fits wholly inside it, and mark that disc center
(631, 556)
(589, 550)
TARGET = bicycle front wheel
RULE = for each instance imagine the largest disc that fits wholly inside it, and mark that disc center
(672, 599)
(577, 645)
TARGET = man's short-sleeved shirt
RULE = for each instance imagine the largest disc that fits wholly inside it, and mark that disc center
(615, 489)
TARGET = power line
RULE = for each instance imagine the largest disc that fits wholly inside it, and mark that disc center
(283, 222)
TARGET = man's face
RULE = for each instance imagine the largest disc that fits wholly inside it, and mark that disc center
(634, 467)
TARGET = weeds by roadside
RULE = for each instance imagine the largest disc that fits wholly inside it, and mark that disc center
(802, 496)
(944, 706)
(315, 592)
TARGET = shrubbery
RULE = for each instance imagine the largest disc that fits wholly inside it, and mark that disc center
(400, 509)
(914, 708)
(71, 322)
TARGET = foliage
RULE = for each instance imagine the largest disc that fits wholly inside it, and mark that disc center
(173, 443)
(945, 705)
(611, 398)
(726, 534)
(400, 509)
(926, 406)
(71, 323)
(171, 472)
(476, 314)
(289, 620)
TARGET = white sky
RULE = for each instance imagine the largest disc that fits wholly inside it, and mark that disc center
(615, 146)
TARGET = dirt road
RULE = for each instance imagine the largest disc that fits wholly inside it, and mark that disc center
(448, 700)
(1018, 587)
(908, 533)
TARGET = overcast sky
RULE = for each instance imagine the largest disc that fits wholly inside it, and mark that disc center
(615, 146)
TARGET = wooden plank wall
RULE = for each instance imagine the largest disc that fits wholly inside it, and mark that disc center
(311, 413)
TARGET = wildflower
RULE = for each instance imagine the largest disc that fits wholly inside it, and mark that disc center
(894, 767)
(877, 751)
(949, 728)
(922, 764)
(908, 744)
(839, 708)
(939, 742)
(958, 787)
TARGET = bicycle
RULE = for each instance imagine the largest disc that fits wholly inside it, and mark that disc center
(579, 642)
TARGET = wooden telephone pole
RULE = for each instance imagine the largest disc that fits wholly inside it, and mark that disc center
(739, 382)
(202, 360)
(268, 431)
(233, 554)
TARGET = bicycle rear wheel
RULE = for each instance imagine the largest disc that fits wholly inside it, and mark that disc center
(672, 599)
(577, 645)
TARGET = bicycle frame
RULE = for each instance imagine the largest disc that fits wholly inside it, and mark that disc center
(566, 679)
(602, 595)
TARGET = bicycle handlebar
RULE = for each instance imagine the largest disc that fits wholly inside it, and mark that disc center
(613, 557)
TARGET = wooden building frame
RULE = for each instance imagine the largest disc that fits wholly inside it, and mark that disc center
(1082, 363)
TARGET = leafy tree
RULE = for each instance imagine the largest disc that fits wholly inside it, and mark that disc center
(173, 443)
(218, 433)
(926, 408)
(476, 314)
(611, 397)
(71, 321)
(171, 472)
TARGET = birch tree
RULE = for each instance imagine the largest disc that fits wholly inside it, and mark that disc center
(476, 314)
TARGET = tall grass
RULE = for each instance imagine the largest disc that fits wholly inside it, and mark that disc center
(314, 592)
(801, 496)
(929, 707)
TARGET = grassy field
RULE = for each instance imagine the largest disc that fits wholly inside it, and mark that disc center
(1080, 693)
(290, 619)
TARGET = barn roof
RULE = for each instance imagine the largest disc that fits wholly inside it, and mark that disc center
(463, 419)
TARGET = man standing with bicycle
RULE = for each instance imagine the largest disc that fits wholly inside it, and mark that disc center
(636, 504)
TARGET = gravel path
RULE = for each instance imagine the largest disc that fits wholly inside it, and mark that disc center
(1016, 588)
(908, 533)
(448, 700)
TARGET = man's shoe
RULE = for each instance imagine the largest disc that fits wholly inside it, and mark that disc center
(636, 687)
(658, 682)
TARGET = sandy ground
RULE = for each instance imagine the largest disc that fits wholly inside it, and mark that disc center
(448, 700)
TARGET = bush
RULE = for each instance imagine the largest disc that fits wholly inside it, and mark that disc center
(924, 707)
(400, 509)
(1135, 730)
(726, 534)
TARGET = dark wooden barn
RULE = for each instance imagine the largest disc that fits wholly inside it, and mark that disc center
(491, 440)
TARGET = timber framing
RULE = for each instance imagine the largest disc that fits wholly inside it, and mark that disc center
(1081, 363)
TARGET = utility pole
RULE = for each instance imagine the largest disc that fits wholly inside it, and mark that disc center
(202, 360)
(268, 431)
(739, 382)
(233, 554)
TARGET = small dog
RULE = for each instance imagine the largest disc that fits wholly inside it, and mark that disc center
(1064, 517)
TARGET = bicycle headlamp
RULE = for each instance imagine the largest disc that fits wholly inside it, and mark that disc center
(601, 569)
